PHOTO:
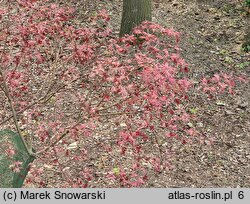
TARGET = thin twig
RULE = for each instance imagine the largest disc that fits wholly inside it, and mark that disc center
(119, 102)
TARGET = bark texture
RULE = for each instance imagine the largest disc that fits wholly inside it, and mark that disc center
(134, 13)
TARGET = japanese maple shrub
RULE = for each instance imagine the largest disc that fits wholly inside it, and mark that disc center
(63, 84)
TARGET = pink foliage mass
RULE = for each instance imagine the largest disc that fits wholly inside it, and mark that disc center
(69, 82)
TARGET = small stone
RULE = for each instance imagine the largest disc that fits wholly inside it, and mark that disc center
(220, 103)
(123, 125)
(200, 124)
(175, 3)
(216, 18)
(243, 105)
(228, 112)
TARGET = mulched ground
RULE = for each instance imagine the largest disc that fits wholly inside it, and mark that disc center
(212, 33)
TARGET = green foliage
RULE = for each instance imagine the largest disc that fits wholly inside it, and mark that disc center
(193, 110)
(116, 171)
(243, 65)
(248, 3)
(12, 152)
(246, 48)
(246, 42)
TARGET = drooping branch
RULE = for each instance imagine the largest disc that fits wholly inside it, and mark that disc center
(14, 114)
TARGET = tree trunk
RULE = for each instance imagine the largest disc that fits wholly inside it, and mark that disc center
(134, 13)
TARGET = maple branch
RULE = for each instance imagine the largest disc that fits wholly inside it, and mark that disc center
(61, 137)
(41, 100)
(5, 89)
(14, 114)
(54, 143)
(117, 113)
(121, 101)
